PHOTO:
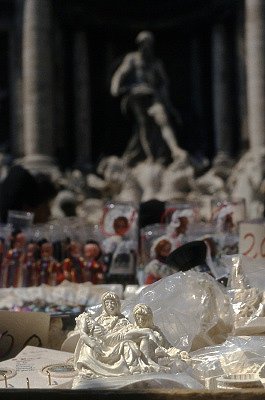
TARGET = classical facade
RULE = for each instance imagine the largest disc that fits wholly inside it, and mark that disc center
(57, 58)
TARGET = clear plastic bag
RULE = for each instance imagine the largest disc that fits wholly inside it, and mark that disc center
(237, 355)
(191, 308)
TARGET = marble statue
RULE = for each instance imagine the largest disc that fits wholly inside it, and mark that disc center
(177, 180)
(111, 346)
(142, 83)
(117, 182)
(247, 181)
(149, 176)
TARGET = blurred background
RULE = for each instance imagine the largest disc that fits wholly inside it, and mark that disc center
(65, 52)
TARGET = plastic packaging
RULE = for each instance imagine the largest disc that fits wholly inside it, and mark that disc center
(191, 308)
(246, 292)
(236, 356)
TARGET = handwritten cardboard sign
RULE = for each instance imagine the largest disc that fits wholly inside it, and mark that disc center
(252, 239)
(20, 329)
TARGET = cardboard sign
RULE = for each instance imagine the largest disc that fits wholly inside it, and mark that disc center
(20, 329)
(252, 239)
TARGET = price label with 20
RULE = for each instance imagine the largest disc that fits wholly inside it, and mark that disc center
(252, 241)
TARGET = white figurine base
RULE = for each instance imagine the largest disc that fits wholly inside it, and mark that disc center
(138, 381)
(239, 381)
(247, 326)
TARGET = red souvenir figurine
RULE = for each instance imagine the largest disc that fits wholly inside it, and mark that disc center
(72, 266)
(12, 263)
(29, 270)
(47, 266)
(94, 270)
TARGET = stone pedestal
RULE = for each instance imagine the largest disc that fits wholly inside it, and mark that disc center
(39, 163)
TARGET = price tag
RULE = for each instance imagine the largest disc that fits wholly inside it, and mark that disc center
(252, 239)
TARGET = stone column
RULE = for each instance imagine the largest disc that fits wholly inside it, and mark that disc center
(37, 85)
(222, 102)
(247, 179)
(241, 79)
(200, 134)
(16, 87)
(255, 71)
(82, 100)
(60, 138)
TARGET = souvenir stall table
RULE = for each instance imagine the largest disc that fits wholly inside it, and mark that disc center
(175, 354)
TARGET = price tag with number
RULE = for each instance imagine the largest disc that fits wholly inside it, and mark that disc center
(252, 239)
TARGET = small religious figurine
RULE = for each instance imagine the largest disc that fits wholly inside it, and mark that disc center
(103, 349)
(110, 345)
(155, 346)
(73, 265)
(119, 253)
(94, 270)
(249, 301)
(178, 226)
(157, 267)
(226, 228)
(109, 245)
(13, 260)
(225, 223)
(29, 269)
(47, 266)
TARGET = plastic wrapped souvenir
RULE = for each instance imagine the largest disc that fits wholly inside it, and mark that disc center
(157, 268)
(111, 346)
(120, 247)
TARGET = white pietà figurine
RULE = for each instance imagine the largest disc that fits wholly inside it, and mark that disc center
(110, 345)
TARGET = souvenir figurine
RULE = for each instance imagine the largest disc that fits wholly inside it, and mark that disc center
(119, 253)
(109, 245)
(157, 267)
(94, 270)
(73, 266)
(178, 226)
(47, 266)
(155, 346)
(110, 345)
(13, 260)
(227, 236)
(29, 269)
(225, 223)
